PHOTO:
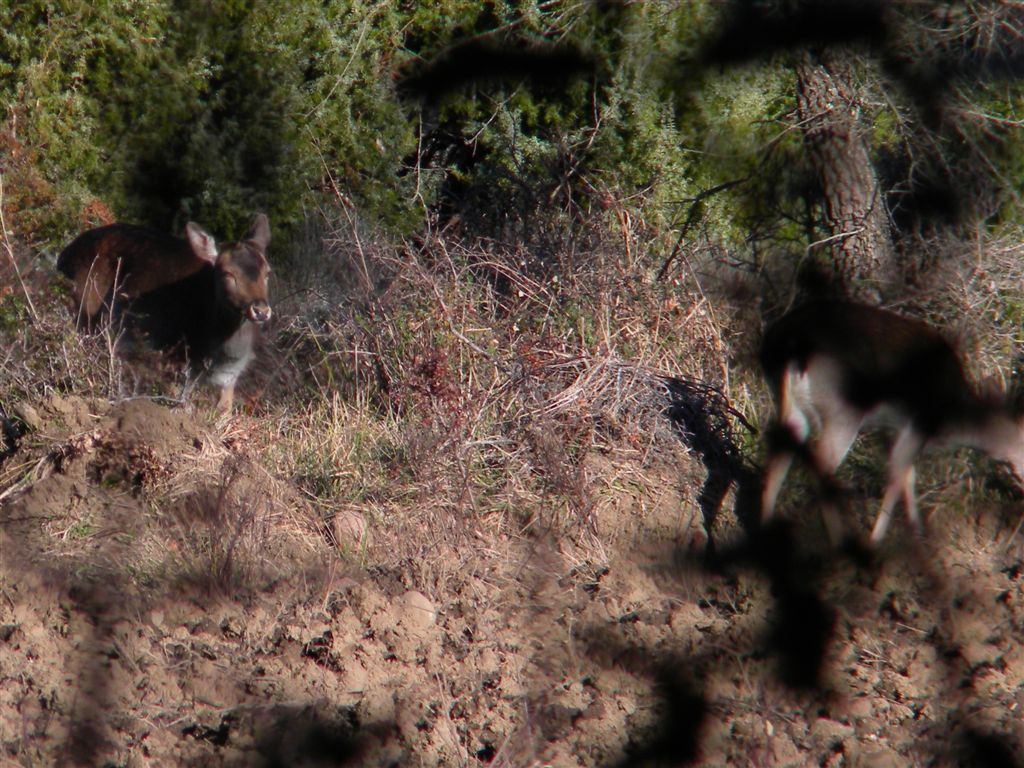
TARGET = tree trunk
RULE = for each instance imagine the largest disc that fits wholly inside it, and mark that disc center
(854, 210)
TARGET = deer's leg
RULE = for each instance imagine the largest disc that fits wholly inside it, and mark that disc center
(792, 430)
(774, 476)
(832, 445)
(838, 432)
(227, 398)
(901, 481)
(910, 504)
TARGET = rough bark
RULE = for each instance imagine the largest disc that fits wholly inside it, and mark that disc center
(853, 207)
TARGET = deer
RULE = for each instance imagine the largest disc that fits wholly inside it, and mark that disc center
(837, 368)
(211, 299)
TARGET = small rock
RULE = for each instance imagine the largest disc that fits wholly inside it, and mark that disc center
(875, 756)
(350, 529)
(831, 731)
(419, 612)
(378, 703)
(860, 707)
(978, 653)
(29, 415)
(354, 676)
(488, 661)
(688, 617)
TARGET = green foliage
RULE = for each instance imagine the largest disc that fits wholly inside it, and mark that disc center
(50, 60)
(516, 151)
(165, 111)
(209, 111)
(740, 136)
(13, 315)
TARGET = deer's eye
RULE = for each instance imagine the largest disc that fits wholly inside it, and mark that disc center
(230, 282)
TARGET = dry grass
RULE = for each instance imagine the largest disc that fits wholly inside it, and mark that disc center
(451, 398)
(427, 397)
(432, 405)
(976, 293)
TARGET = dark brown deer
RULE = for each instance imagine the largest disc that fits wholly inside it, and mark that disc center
(172, 292)
(836, 368)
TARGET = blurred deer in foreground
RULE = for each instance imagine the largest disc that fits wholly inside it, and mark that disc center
(172, 291)
(838, 367)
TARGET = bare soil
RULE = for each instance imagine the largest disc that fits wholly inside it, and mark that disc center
(165, 599)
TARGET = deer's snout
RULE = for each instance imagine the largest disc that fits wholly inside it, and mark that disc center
(259, 312)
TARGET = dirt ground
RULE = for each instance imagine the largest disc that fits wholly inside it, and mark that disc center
(166, 600)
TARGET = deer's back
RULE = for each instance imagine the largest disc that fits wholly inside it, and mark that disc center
(136, 259)
(883, 358)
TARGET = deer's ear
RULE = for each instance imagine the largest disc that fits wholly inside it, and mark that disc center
(259, 232)
(202, 242)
